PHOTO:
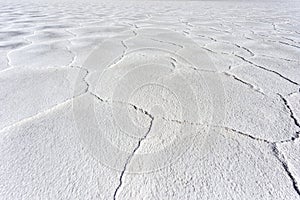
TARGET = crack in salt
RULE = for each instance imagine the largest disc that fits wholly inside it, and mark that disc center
(172, 43)
(125, 49)
(250, 136)
(84, 77)
(280, 157)
(247, 135)
(291, 45)
(253, 87)
(280, 58)
(246, 49)
(266, 69)
(292, 116)
(132, 154)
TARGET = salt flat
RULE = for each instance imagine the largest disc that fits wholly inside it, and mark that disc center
(149, 100)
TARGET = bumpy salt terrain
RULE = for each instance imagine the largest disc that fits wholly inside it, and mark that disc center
(149, 100)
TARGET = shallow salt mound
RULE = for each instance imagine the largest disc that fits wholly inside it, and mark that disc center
(52, 54)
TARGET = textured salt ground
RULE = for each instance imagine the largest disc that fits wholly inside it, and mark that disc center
(254, 154)
(41, 88)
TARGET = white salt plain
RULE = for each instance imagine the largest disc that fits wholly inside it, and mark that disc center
(149, 100)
